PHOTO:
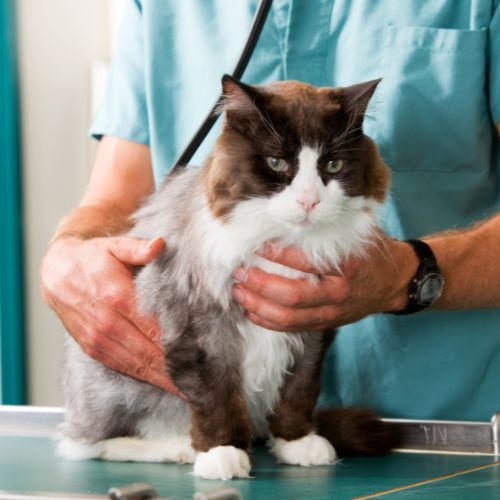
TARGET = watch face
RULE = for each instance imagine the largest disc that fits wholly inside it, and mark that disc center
(431, 288)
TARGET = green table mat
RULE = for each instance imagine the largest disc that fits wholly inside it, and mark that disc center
(28, 464)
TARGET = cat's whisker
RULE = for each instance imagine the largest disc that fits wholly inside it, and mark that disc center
(269, 127)
(348, 149)
(384, 250)
(348, 130)
(352, 139)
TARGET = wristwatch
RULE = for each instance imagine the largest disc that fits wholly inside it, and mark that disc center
(427, 285)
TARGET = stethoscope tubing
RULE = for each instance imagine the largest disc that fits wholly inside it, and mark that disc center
(213, 115)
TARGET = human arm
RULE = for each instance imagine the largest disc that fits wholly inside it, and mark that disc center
(86, 274)
(468, 259)
(470, 263)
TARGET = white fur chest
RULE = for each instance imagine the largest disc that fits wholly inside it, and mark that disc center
(267, 357)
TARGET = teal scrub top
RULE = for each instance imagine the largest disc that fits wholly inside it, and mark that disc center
(433, 118)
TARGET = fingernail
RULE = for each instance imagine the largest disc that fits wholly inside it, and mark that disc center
(238, 294)
(152, 242)
(239, 274)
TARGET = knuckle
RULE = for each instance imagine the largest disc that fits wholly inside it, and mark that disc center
(94, 340)
(149, 358)
(105, 320)
(117, 299)
(107, 325)
(90, 351)
(142, 370)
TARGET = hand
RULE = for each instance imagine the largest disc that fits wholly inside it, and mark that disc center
(89, 284)
(376, 283)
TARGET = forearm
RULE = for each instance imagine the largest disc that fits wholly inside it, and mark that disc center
(92, 221)
(470, 263)
(121, 178)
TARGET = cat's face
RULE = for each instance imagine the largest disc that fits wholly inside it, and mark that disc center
(299, 150)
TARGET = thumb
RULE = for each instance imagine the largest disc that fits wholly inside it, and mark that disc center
(135, 251)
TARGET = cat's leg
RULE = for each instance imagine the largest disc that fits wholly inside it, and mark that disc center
(113, 417)
(220, 423)
(293, 437)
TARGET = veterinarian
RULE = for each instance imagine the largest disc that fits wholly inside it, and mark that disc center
(436, 120)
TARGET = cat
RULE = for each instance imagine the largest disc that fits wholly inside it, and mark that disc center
(292, 166)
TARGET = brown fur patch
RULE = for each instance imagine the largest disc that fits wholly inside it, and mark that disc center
(377, 177)
(278, 120)
(356, 431)
(213, 386)
(293, 417)
(224, 423)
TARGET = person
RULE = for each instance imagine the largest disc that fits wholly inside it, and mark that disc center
(436, 120)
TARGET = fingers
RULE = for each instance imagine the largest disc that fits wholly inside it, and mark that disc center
(120, 346)
(282, 318)
(119, 295)
(135, 251)
(294, 292)
(288, 256)
(134, 368)
(277, 328)
(125, 333)
(95, 298)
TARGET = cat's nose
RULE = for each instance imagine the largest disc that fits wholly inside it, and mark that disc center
(308, 200)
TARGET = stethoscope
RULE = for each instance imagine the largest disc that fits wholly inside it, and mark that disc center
(208, 123)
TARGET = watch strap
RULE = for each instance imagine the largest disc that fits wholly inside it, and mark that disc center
(428, 264)
(424, 254)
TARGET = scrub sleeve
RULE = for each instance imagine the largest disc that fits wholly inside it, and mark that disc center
(123, 109)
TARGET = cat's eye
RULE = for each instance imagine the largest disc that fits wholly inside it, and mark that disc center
(277, 164)
(335, 166)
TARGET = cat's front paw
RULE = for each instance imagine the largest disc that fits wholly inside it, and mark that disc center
(306, 451)
(222, 462)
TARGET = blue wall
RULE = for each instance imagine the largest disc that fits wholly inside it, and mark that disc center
(12, 352)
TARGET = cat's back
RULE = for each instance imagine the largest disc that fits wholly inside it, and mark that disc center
(169, 209)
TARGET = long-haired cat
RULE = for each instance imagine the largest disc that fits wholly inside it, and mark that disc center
(291, 166)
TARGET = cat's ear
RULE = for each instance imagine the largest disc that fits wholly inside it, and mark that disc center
(238, 96)
(244, 106)
(357, 97)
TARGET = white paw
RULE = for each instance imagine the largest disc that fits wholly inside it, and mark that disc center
(222, 462)
(181, 450)
(306, 451)
(175, 449)
(71, 449)
(121, 449)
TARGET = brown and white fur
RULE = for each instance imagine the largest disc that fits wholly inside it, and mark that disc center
(241, 380)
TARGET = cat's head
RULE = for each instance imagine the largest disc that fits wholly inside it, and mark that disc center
(299, 150)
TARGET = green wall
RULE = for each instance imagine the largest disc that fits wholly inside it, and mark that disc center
(12, 357)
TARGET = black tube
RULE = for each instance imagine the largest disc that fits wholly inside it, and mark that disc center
(208, 123)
